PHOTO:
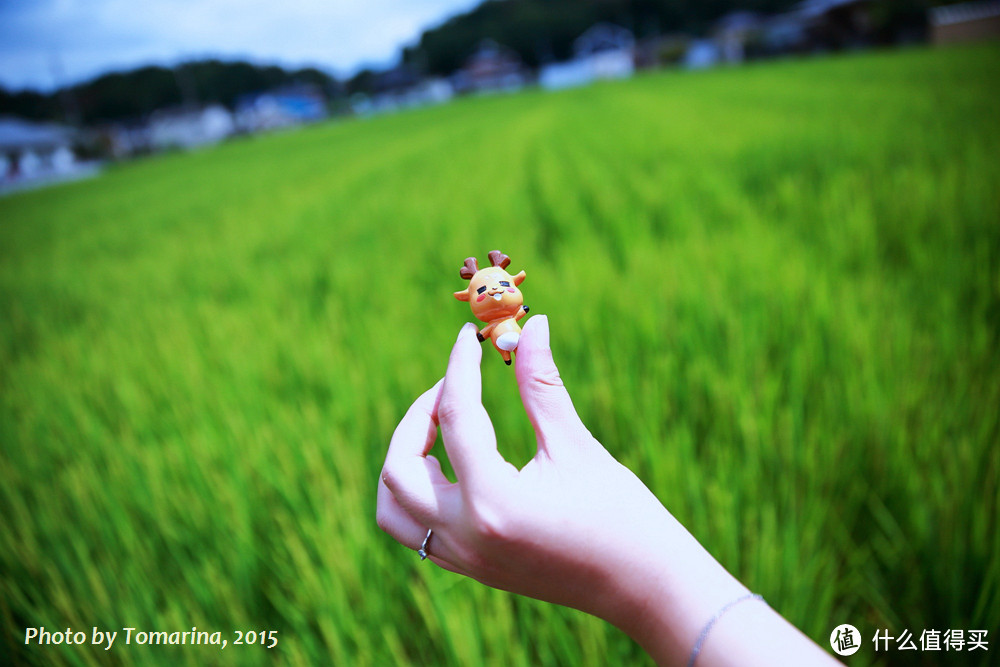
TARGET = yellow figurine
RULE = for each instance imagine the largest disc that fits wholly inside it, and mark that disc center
(495, 299)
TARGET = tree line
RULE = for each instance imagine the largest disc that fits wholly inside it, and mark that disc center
(137, 93)
(544, 30)
(539, 31)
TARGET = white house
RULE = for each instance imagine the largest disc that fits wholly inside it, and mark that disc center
(702, 53)
(32, 151)
(734, 31)
(37, 154)
(283, 107)
(605, 51)
(492, 68)
(402, 88)
(188, 129)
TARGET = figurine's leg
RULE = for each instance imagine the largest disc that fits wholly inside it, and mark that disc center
(506, 356)
(508, 341)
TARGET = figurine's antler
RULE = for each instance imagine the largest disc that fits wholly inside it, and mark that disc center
(497, 258)
(470, 268)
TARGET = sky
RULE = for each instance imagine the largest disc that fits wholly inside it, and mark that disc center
(45, 44)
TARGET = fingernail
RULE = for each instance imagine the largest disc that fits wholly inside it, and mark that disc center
(464, 331)
(543, 330)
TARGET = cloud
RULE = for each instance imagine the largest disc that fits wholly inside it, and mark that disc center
(75, 39)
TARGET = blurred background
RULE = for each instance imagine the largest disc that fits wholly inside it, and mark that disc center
(765, 235)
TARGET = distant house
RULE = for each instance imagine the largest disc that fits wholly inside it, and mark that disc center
(734, 32)
(743, 34)
(436, 90)
(33, 153)
(610, 50)
(397, 80)
(402, 88)
(190, 128)
(965, 22)
(605, 51)
(129, 139)
(283, 107)
(702, 53)
(661, 50)
(491, 68)
(810, 25)
(784, 33)
(837, 24)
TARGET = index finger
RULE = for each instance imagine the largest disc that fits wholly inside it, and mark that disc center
(414, 478)
(416, 432)
(468, 435)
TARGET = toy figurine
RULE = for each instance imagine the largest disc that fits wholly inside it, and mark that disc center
(495, 299)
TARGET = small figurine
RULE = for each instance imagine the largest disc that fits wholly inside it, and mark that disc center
(495, 299)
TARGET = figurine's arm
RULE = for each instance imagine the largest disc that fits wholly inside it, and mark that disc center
(521, 313)
(486, 331)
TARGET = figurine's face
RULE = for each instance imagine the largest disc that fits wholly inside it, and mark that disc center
(493, 293)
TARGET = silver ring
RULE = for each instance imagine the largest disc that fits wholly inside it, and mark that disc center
(422, 551)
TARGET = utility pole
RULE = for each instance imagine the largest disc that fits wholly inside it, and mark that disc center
(189, 92)
(67, 100)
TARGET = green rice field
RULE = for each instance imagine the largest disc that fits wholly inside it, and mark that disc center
(774, 293)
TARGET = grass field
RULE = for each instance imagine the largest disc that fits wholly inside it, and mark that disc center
(790, 333)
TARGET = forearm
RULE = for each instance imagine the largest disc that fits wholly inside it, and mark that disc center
(667, 603)
(668, 598)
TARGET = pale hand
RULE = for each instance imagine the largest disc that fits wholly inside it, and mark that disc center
(573, 526)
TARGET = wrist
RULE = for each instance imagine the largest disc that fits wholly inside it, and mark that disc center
(667, 599)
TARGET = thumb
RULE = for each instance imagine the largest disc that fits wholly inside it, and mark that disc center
(545, 399)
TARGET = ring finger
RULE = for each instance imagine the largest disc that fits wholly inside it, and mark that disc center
(394, 520)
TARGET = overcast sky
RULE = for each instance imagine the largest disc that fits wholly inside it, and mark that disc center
(47, 43)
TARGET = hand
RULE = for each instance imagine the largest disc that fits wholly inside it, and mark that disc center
(568, 528)
(573, 527)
